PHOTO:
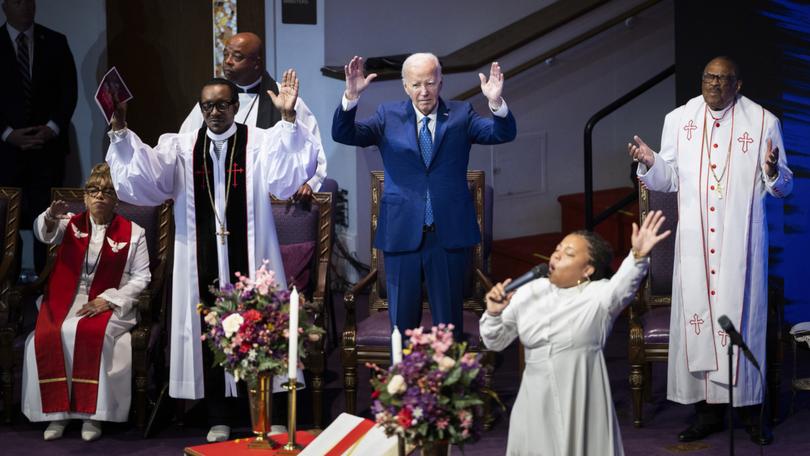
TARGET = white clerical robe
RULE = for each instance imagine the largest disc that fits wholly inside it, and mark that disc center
(115, 371)
(715, 161)
(564, 406)
(280, 160)
(248, 111)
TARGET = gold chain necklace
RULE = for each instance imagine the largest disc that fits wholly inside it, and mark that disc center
(222, 231)
(718, 188)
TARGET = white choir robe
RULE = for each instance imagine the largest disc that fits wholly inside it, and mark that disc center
(564, 406)
(280, 160)
(721, 247)
(248, 110)
(115, 372)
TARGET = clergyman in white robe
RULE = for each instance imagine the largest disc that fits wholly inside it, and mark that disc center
(279, 160)
(721, 247)
(115, 371)
(564, 405)
(248, 115)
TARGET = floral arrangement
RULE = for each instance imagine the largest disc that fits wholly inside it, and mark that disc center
(435, 394)
(247, 327)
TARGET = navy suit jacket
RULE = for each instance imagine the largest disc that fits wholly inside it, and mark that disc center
(402, 210)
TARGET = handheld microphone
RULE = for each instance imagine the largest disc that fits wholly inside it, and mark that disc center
(541, 270)
(736, 338)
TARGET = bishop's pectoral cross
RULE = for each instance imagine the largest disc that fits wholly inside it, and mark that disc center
(223, 233)
(718, 188)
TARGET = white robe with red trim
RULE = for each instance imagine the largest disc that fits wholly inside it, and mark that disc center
(715, 161)
(115, 372)
(280, 160)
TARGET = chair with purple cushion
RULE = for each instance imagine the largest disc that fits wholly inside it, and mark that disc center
(305, 239)
(10, 222)
(369, 340)
(649, 314)
(147, 350)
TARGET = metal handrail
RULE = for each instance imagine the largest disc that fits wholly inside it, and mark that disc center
(590, 219)
(565, 46)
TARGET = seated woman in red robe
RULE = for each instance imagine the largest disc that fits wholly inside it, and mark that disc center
(78, 360)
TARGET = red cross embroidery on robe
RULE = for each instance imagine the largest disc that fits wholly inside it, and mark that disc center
(235, 169)
(696, 321)
(745, 140)
(689, 128)
(723, 337)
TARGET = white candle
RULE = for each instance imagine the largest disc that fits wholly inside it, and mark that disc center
(292, 368)
(396, 346)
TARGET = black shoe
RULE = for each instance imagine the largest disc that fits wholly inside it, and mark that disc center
(761, 436)
(699, 432)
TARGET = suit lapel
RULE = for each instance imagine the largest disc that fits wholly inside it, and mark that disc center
(442, 114)
(7, 54)
(39, 55)
(410, 124)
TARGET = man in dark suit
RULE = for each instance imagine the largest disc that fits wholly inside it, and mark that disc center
(426, 226)
(37, 100)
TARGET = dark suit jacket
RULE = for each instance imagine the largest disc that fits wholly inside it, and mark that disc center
(393, 130)
(268, 115)
(53, 81)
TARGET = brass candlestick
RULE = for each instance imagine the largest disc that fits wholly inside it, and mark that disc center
(291, 447)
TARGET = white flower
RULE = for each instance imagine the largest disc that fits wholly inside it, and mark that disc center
(232, 323)
(396, 384)
(446, 363)
(252, 355)
(211, 318)
(417, 413)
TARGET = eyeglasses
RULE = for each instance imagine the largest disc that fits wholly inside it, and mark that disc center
(107, 192)
(721, 78)
(220, 105)
(235, 56)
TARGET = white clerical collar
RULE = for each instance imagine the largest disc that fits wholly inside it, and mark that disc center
(719, 114)
(248, 87)
(222, 136)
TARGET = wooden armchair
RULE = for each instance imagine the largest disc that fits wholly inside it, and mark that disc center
(305, 238)
(369, 340)
(9, 222)
(649, 314)
(157, 222)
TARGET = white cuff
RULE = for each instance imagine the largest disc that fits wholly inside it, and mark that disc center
(6, 132)
(52, 125)
(117, 136)
(347, 104)
(502, 111)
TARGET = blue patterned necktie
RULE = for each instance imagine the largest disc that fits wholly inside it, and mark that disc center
(426, 146)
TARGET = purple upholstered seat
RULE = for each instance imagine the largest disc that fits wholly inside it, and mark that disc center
(656, 325)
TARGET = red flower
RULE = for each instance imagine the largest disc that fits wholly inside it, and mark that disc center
(252, 315)
(375, 394)
(404, 418)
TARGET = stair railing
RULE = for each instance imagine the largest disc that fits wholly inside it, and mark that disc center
(592, 220)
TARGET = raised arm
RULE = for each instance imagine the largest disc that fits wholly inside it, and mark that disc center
(778, 178)
(141, 175)
(498, 325)
(658, 171)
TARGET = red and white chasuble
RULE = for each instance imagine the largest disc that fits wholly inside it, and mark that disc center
(715, 161)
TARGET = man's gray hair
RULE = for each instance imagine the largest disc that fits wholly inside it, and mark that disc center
(417, 57)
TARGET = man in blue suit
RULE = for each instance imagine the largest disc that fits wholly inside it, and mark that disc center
(426, 225)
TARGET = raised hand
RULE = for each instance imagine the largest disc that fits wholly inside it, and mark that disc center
(644, 239)
(287, 95)
(119, 117)
(497, 299)
(641, 152)
(356, 82)
(492, 88)
(58, 210)
(771, 159)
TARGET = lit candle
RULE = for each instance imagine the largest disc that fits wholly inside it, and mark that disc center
(396, 346)
(292, 368)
